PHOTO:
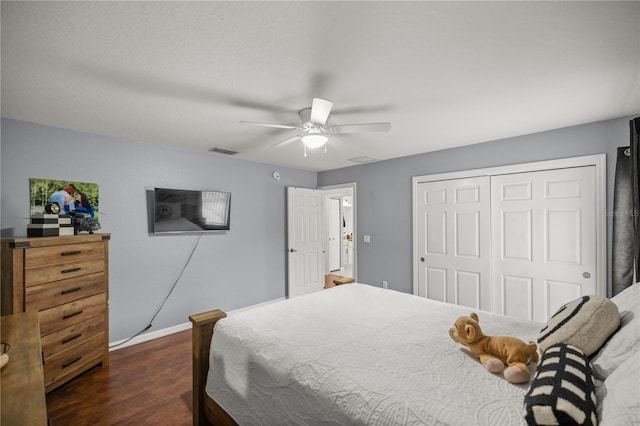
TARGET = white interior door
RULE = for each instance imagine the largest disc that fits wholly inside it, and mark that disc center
(544, 240)
(334, 234)
(453, 231)
(304, 233)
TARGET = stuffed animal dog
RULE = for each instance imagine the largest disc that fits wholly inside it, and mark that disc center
(496, 351)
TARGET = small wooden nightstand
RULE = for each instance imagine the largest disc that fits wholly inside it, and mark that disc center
(22, 400)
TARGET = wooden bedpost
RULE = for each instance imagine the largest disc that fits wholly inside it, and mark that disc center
(202, 333)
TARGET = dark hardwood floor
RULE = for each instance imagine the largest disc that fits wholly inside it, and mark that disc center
(149, 383)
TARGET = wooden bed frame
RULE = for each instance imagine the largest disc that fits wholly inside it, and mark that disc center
(205, 410)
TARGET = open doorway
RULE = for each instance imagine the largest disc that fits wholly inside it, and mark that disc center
(311, 256)
(340, 229)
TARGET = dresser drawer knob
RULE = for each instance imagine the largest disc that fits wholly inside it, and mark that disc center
(71, 361)
(72, 314)
(72, 338)
(66, 271)
(70, 290)
(71, 253)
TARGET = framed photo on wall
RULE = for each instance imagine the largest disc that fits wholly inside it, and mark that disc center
(70, 196)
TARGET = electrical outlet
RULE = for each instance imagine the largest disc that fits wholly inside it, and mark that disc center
(385, 284)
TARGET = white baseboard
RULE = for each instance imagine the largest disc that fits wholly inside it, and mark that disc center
(145, 337)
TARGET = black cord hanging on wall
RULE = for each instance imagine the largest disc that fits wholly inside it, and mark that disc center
(173, 286)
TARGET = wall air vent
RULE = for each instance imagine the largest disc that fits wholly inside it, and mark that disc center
(223, 151)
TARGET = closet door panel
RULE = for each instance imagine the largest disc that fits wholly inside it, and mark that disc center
(454, 241)
(516, 296)
(543, 241)
(436, 283)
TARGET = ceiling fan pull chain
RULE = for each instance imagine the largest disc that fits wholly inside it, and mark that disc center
(305, 150)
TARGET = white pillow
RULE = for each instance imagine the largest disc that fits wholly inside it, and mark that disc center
(618, 402)
(629, 298)
(624, 341)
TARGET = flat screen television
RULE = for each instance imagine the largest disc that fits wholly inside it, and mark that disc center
(187, 211)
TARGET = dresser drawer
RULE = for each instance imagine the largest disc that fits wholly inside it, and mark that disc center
(61, 271)
(38, 256)
(69, 362)
(57, 342)
(44, 296)
(66, 315)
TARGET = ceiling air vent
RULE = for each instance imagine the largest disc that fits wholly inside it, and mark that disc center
(362, 160)
(223, 151)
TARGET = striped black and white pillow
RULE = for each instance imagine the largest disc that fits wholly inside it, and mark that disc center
(562, 391)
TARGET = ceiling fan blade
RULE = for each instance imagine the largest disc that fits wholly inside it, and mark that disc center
(286, 142)
(320, 110)
(364, 127)
(279, 126)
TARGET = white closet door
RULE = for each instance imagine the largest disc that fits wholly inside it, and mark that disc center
(453, 223)
(543, 240)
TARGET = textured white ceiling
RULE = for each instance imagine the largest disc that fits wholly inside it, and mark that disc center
(443, 73)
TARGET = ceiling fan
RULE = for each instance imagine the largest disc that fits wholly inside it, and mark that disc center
(314, 130)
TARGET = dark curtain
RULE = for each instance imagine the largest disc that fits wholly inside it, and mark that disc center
(626, 209)
(635, 179)
(622, 255)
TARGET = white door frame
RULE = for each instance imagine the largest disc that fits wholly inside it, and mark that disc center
(597, 160)
(333, 190)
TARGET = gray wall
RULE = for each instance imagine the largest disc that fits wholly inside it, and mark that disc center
(246, 265)
(384, 189)
(242, 267)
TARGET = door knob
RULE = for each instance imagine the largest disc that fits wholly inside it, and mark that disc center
(292, 250)
(586, 275)
(422, 259)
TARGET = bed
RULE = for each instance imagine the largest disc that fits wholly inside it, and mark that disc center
(360, 355)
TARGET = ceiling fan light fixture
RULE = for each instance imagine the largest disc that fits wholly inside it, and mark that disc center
(314, 140)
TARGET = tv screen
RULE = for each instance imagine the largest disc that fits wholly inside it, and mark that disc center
(185, 211)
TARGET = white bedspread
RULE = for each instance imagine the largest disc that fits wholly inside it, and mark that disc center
(359, 355)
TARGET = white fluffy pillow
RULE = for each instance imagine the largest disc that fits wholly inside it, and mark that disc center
(618, 402)
(626, 340)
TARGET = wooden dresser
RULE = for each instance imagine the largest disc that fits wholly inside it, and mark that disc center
(65, 280)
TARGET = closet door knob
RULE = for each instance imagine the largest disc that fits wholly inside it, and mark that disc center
(422, 259)
(586, 275)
